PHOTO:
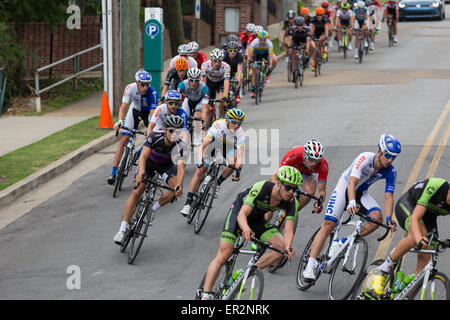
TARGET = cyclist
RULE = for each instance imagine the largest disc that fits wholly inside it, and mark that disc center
(195, 53)
(304, 12)
(175, 76)
(231, 37)
(235, 59)
(246, 217)
(319, 30)
(309, 161)
(196, 95)
(243, 37)
(144, 98)
(229, 138)
(286, 26)
(183, 51)
(416, 211)
(391, 10)
(373, 20)
(361, 21)
(156, 156)
(345, 18)
(351, 191)
(216, 75)
(262, 48)
(300, 36)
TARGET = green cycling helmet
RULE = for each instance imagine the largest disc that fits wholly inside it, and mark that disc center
(345, 5)
(290, 175)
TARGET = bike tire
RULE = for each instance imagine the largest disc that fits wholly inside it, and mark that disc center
(301, 283)
(253, 288)
(342, 284)
(289, 69)
(139, 234)
(120, 172)
(194, 209)
(438, 280)
(216, 291)
(365, 281)
(205, 203)
(361, 50)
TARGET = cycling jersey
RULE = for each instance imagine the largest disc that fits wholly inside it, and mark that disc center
(161, 114)
(233, 63)
(161, 152)
(261, 48)
(390, 7)
(342, 15)
(201, 57)
(172, 79)
(243, 37)
(194, 98)
(219, 132)
(361, 15)
(286, 26)
(143, 103)
(319, 26)
(294, 158)
(258, 198)
(299, 37)
(191, 62)
(216, 75)
(250, 38)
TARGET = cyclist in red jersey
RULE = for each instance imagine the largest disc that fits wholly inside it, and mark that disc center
(309, 160)
(391, 10)
(243, 37)
(195, 53)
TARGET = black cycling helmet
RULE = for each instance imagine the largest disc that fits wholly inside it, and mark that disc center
(232, 45)
(291, 14)
(173, 121)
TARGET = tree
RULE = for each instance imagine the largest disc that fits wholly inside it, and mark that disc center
(174, 19)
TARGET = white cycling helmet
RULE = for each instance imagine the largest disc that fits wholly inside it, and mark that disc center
(193, 47)
(250, 27)
(194, 73)
(216, 54)
(314, 149)
(361, 4)
(183, 50)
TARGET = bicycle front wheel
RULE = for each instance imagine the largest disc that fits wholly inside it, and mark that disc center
(205, 203)
(250, 288)
(437, 288)
(303, 284)
(140, 231)
(121, 171)
(345, 276)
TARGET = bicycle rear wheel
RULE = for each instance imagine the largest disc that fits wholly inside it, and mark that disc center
(437, 288)
(140, 231)
(252, 288)
(205, 203)
(120, 171)
(303, 284)
(344, 278)
(361, 50)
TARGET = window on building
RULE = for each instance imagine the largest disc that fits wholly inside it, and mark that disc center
(231, 20)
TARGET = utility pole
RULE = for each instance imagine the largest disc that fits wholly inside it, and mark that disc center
(117, 83)
(264, 14)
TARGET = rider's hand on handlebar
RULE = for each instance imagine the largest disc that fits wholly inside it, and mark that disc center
(118, 124)
(140, 178)
(352, 207)
(290, 253)
(179, 191)
(391, 224)
(247, 234)
(317, 208)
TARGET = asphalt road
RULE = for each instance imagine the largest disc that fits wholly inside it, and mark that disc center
(401, 90)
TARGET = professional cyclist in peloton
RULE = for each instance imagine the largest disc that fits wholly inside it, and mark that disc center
(156, 156)
(175, 76)
(243, 37)
(262, 48)
(351, 192)
(345, 17)
(227, 138)
(304, 12)
(391, 10)
(144, 98)
(216, 75)
(319, 30)
(183, 51)
(416, 211)
(373, 21)
(194, 52)
(286, 26)
(309, 160)
(361, 21)
(246, 217)
(300, 36)
(235, 59)
(196, 95)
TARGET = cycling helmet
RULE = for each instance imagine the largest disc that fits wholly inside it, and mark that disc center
(172, 95)
(304, 10)
(193, 47)
(232, 37)
(361, 4)
(233, 45)
(345, 5)
(319, 11)
(299, 21)
(143, 76)
(173, 121)
(290, 175)
(194, 73)
(236, 114)
(314, 149)
(258, 29)
(216, 54)
(291, 14)
(250, 27)
(325, 4)
(181, 64)
(389, 145)
(263, 35)
(183, 50)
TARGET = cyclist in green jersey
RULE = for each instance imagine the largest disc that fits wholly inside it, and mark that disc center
(416, 212)
(246, 217)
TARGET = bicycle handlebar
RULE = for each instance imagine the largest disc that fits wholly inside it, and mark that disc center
(133, 131)
(149, 180)
(195, 119)
(371, 220)
(441, 244)
(268, 245)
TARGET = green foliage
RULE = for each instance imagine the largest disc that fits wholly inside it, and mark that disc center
(300, 5)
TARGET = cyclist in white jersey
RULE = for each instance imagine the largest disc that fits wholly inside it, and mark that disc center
(227, 138)
(183, 51)
(345, 17)
(351, 194)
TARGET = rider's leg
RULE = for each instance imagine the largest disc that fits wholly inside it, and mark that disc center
(224, 252)
(271, 256)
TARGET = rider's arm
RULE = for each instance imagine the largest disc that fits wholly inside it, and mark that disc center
(141, 162)
(321, 190)
(242, 221)
(201, 151)
(351, 191)
(123, 110)
(414, 226)
(289, 236)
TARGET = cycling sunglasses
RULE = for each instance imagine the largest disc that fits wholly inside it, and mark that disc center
(141, 84)
(172, 130)
(233, 50)
(288, 187)
(311, 159)
(389, 156)
(236, 122)
(173, 103)
(194, 80)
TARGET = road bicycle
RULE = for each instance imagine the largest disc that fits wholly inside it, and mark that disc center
(290, 72)
(345, 265)
(344, 41)
(127, 161)
(318, 57)
(361, 45)
(191, 130)
(212, 112)
(300, 65)
(261, 69)
(429, 284)
(143, 217)
(203, 200)
(232, 94)
(391, 31)
(241, 284)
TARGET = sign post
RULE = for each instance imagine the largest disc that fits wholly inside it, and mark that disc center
(154, 45)
(197, 17)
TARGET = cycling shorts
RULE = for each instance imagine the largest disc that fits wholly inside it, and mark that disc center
(360, 23)
(132, 120)
(258, 56)
(190, 107)
(343, 22)
(403, 211)
(167, 170)
(214, 87)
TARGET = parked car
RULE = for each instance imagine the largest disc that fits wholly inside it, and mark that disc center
(434, 9)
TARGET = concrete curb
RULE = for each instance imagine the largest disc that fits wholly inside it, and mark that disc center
(56, 168)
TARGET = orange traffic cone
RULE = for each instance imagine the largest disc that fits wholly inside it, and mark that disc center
(106, 121)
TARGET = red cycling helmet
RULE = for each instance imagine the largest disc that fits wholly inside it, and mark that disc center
(325, 4)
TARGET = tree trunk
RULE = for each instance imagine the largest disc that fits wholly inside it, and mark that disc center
(174, 20)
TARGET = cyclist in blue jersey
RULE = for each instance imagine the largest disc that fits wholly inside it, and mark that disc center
(144, 99)
(351, 194)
